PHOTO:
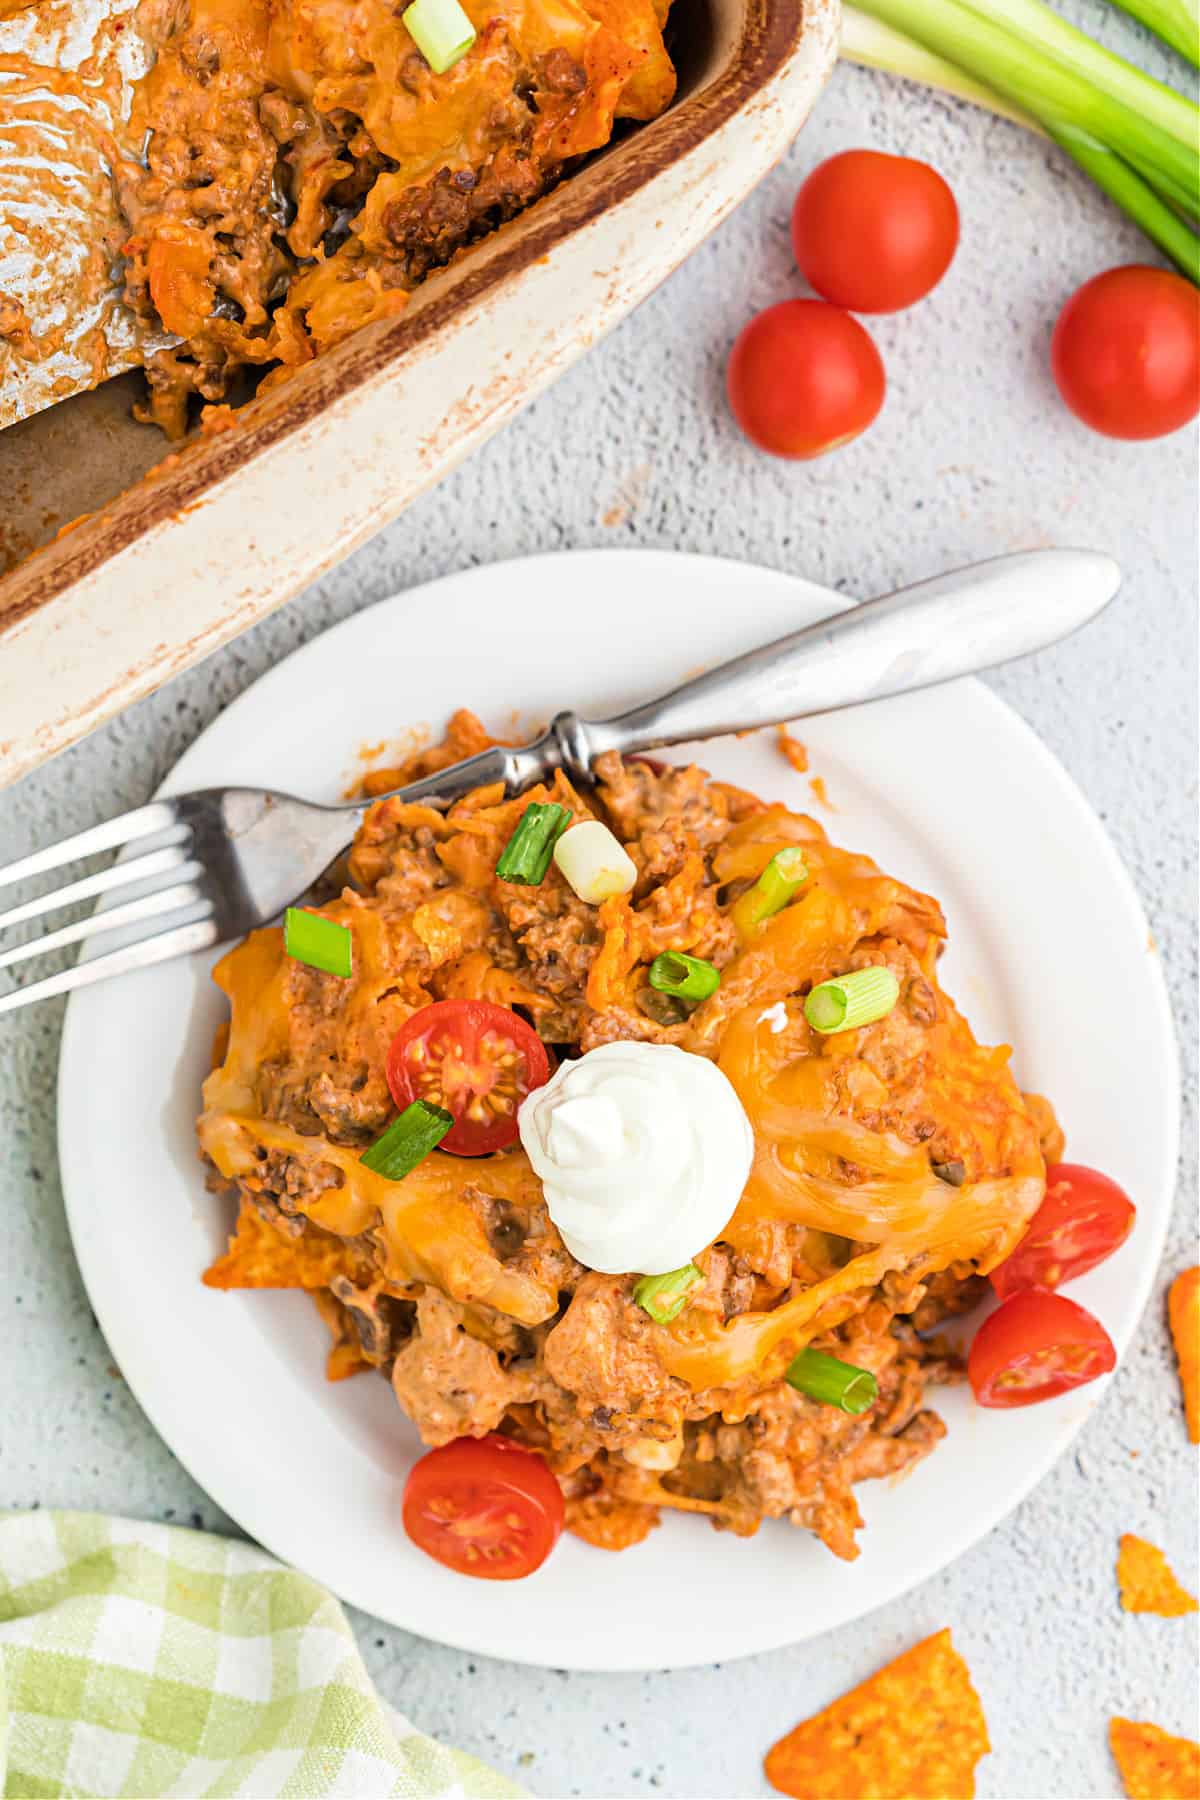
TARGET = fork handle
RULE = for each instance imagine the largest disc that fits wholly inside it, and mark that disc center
(954, 625)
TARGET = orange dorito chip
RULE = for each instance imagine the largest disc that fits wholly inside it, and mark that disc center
(914, 1731)
(1153, 1764)
(1146, 1582)
(259, 1256)
(1183, 1310)
(346, 1355)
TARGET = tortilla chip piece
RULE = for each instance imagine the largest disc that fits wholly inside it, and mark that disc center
(1183, 1310)
(609, 1523)
(346, 1354)
(1146, 1582)
(259, 1256)
(1153, 1764)
(914, 1731)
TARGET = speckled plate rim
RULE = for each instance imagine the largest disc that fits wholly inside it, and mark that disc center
(232, 1382)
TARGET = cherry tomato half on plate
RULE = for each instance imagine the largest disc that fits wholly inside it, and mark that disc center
(1034, 1346)
(804, 378)
(874, 233)
(1126, 352)
(1082, 1220)
(484, 1506)
(475, 1059)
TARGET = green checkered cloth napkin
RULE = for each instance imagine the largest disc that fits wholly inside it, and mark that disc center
(147, 1661)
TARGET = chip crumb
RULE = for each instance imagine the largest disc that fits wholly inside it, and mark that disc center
(792, 748)
(1183, 1311)
(1146, 1582)
(1153, 1764)
(914, 1731)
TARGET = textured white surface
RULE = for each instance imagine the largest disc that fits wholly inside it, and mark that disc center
(971, 456)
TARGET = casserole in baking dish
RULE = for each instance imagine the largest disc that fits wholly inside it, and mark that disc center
(242, 518)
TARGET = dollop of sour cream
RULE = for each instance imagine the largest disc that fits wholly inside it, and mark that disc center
(643, 1151)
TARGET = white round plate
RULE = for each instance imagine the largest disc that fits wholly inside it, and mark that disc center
(949, 790)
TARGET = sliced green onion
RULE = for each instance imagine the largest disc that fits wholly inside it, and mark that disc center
(832, 1382)
(852, 1000)
(310, 938)
(689, 977)
(527, 856)
(665, 1296)
(441, 31)
(407, 1140)
(771, 892)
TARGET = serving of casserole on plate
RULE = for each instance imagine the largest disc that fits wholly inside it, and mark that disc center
(301, 203)
(892, 1163)
(713, 1263)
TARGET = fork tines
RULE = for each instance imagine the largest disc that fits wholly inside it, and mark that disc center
(159, 879)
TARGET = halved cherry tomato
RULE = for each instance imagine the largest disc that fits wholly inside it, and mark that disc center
(1083, 1219)
(872, 232)
(1034, 1346)
(804, 378)
(475, 1059)
(484, 1506)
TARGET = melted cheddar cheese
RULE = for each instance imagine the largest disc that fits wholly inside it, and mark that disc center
(843, 1125)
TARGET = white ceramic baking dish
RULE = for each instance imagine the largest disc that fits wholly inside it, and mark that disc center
(175, 559)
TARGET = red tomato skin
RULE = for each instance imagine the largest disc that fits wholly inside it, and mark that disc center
(874, 233)
(484, 1474)
(1126, 352)
(1084, 1218)
(1034, 1331)
(469, 1020)
(804, 378)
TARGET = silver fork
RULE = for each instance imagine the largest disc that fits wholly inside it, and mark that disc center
(208, 866)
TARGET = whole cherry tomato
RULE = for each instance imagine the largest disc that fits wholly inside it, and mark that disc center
(1126, 352)
(804, 378)
(872, 232)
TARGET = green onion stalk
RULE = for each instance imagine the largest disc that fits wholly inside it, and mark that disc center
(1176, 22)
(1134, 136)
